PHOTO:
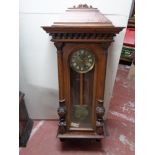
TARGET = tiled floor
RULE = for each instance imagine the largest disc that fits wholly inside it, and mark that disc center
(120, 125)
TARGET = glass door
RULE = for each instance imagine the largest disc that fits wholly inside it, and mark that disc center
(81, 100)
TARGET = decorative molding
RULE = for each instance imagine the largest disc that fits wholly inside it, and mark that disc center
(99, 127)
(62, 116)
(105, 47)
(83, 36)
(59, 46)
(62, 127)
(62, 111)
(100, 110)
(83, 6)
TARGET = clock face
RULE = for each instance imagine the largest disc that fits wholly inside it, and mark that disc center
(82, 60)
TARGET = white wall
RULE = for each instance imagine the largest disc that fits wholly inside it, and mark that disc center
(38, 61)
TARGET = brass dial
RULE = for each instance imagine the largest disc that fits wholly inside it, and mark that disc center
(82, 60)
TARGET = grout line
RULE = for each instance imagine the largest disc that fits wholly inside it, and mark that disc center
(34, 130)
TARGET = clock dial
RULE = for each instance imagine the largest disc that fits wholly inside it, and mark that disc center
(82, 60)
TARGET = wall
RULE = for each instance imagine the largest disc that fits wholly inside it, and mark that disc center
(38, 60)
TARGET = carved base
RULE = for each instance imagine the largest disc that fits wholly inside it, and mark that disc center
(99, 114)
(99, 127)
(62, 127)
(62, 115)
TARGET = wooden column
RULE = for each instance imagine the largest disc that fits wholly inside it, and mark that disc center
(60, 70)
(81, 89)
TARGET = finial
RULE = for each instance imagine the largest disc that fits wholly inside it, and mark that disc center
(83, 6)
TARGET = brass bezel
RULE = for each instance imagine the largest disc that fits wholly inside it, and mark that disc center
(90, 68)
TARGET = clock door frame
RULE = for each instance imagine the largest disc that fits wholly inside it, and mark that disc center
(99, 80)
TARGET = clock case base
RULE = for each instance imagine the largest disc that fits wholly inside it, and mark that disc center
(76, 135)
(83, 135)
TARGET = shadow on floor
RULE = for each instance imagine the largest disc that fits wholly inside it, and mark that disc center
(82, 145)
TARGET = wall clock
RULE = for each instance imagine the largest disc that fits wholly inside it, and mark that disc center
(82, 37)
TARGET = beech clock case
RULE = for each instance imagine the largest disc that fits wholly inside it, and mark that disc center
(82, 37)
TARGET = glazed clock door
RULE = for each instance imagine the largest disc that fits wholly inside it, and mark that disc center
(82, 66)
(82, 63)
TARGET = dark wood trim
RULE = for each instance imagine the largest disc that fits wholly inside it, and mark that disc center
(85, 29)
(25, 122)
(82, 136)
(23, 139)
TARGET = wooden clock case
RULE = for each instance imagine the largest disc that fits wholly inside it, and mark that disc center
(82, 27)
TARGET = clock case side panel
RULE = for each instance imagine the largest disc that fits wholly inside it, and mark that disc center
(62, 110)
(98, 85)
